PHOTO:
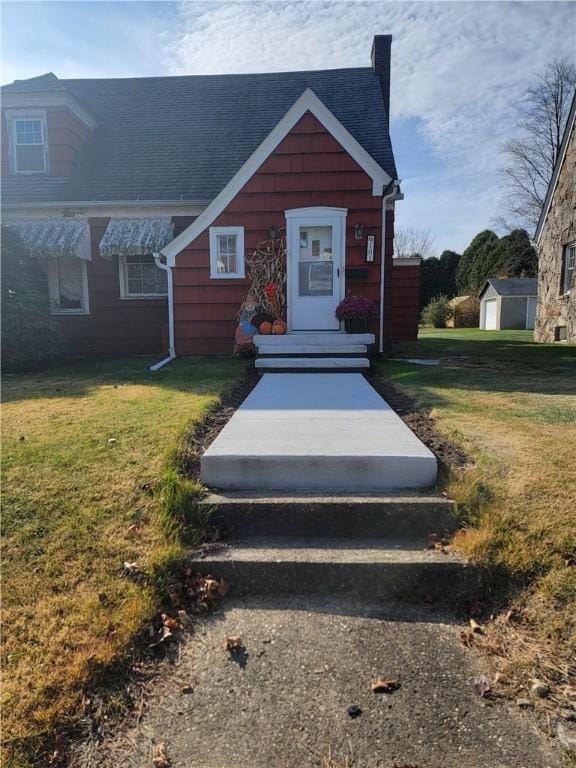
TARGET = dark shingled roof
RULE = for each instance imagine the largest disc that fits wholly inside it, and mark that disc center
(42, 83)
(184, 138)
(514, 286)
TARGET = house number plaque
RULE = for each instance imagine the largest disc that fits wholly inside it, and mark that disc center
(370, 248)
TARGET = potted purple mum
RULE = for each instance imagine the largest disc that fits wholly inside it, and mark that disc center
(356, 311)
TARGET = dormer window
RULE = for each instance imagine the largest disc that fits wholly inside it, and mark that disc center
(28, 142)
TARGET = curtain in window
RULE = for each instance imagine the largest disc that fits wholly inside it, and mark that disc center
(70, 282)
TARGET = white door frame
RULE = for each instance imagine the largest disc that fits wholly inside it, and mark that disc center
(319, 216)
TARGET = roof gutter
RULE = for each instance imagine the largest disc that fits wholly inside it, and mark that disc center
(171, 345)
(391, 196)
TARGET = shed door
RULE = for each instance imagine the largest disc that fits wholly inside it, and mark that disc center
(490, 314)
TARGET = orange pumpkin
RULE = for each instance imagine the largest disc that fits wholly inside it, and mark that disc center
(265, 328)
(279, 327)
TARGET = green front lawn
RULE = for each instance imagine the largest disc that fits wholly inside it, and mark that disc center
(83, 446)
(512, 404)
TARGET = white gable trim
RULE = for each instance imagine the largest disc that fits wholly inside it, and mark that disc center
(307, 102)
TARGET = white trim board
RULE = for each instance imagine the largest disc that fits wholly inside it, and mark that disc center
(307, 102)
(40, 99)
(570, 124)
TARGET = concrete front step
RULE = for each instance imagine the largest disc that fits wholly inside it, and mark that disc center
(305, 431)
(311, 363)
(296, 348)
(369, 569)
(344, 516)
(313, 338)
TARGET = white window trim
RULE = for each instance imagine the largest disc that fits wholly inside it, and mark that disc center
(54, 291)
(16, 114)
(563, 291)
(123, 278)
(240, 273)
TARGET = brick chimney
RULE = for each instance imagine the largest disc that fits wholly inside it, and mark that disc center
(381, 66)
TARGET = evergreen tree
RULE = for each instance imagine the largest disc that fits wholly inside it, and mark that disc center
(518, 256)
(476, 262)
(438, 277)
(30, 335)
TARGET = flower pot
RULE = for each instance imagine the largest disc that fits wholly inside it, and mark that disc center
(356, 325)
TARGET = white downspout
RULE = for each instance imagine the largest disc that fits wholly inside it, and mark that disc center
(394, 194)
(171, 345)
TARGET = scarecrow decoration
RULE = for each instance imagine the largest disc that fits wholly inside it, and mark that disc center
(263, 309)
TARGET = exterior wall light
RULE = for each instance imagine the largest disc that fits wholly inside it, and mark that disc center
(358, 231)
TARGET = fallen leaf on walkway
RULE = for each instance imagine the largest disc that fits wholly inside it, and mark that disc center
(232, 643)
(439, 543)
(482, 686)
(163, 635)
(170, 623)
(475, 627)
(467, 638)
(160, 756)
(186, 688)
(354, 711)
(382, 685)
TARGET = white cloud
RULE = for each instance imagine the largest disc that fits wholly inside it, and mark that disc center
(460, 68)
(459, 71)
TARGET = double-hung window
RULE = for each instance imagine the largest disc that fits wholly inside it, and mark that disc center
(568, 267)
(29, 145)
(68, 286)
(226, 252)
(140, 278)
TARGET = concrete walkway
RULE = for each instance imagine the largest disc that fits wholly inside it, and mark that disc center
(317, 431)
(283, 703)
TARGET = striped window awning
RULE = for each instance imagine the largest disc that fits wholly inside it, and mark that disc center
(136, 237)
(54, 237)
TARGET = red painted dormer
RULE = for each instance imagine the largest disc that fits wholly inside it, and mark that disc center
(43, 128)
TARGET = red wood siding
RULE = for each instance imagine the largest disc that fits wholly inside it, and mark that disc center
(308, 168)
(66, 134)
(405, 302)
(114, 326)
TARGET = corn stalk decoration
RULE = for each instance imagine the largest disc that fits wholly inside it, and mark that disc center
(267, 269)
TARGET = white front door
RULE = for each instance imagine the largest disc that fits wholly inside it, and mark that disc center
(315, 240)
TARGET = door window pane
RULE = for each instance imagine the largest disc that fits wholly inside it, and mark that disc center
(316, 243)
(315, 268)
(315, 278)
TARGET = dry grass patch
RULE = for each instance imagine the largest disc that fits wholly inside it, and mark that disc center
(84, 447)
(512, 405)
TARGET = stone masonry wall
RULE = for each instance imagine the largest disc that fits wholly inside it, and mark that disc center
(555, 310)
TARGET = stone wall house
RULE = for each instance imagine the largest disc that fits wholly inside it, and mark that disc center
(556, 242)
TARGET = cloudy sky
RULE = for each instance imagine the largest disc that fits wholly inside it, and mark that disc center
(460, 71)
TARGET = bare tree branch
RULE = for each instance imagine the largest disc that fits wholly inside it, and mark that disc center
(531, 156)
(413, 241)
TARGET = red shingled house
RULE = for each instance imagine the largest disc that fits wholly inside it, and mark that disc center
(142, 199)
